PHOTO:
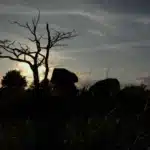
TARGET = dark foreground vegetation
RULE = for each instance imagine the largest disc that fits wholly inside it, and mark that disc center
(58, 116)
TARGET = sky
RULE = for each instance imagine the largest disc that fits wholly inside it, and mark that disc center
(112, 34)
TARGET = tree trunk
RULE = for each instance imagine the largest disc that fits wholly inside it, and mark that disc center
(46, 72)
(36, 77)
(36, 106)
(46, 66)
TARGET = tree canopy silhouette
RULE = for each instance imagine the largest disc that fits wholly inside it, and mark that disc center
(17, 51)
(14, 78)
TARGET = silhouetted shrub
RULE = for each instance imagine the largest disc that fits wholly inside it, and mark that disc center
(14, 78)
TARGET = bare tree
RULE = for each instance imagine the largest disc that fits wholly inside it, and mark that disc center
(19, 52)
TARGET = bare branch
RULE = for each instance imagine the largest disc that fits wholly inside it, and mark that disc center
(38, 18)
(60, 45)
(27, 26)
(32, 40)
(19, 24)
(60, 36)
(16, 59)
(10, 48)
(12, 43)
(41, 37)
(9, 51)
(48, 36)
(20, 45)
(56, 45)
(38, 39)
(41, 62)
(38, 54)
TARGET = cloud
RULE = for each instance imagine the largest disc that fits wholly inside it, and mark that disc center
(131, 47)
(108, 34)
(124, 6)
(144, 20)
(14, 9)
(121, 6)
(145, 80)
(96, 32)
(26, 10)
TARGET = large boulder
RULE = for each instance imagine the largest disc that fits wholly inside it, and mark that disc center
(63, 82)
(132, 100)
(107, 87)
(63, 76)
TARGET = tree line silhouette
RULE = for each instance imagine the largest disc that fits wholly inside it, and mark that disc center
(101, 117)
(55, 114)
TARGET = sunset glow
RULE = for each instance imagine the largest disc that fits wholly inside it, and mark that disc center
(26, 71)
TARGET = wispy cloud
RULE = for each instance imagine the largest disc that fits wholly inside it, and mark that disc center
(126, 47)
(144, 20)
(100, 17)
(96, 32)
(105, 36)
(14, 9)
